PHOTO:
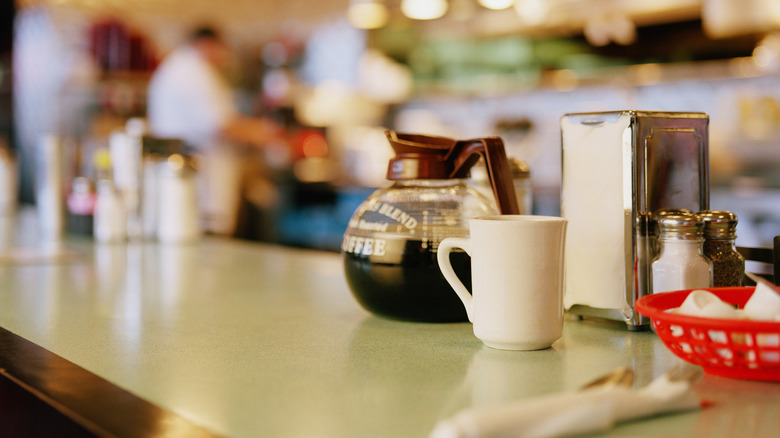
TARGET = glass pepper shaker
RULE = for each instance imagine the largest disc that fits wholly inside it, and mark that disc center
(680, 263)
(720, 233)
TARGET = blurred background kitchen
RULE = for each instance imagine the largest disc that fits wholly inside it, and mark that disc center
(334, 74)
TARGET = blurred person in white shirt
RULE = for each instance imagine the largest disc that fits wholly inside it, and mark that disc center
(190, 99)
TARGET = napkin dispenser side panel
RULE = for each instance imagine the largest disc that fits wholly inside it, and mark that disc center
(618, 169)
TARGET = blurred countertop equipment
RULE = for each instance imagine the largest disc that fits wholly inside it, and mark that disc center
(463, 69)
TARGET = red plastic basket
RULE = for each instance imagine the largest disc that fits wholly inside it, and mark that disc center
(725, 347)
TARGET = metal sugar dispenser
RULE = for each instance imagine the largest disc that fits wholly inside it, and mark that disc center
(390, 245)
(619, 168)
(720, 234)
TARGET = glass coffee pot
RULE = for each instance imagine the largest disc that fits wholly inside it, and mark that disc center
(390, 245)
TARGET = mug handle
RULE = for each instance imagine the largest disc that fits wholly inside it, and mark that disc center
(443, 257)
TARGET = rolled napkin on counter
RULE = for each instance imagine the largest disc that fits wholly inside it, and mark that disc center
(591, 410)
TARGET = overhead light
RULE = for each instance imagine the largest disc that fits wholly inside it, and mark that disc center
(496, 5)
(532, 12)
(367, 14)
(424, 9)
(596, 32)
(766, 54)
(623, 30)
(728, 18)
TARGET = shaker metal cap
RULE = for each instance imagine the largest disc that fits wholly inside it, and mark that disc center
(719, 224)
(519, 168)
(177, 165)
(679, 224)
(672, 211)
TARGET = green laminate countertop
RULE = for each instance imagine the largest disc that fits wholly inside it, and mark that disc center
(253, 340)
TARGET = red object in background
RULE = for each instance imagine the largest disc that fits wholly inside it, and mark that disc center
(141, 57)
(116, 48)
(742, 349)
(308, 143)
(81, 203)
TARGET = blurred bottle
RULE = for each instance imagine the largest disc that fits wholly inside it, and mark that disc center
(135, 129)
(126, 156)
(8, 181)
(110, 218)
(49, 193)
(521, 177)
(81, 205)
(177, 208)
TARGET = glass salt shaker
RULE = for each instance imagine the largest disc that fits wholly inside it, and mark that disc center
(720, 233)
(680, 263)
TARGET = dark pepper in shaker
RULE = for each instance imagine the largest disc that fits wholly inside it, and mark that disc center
(720, 233)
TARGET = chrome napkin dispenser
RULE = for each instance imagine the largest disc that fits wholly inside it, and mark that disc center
(618, 169)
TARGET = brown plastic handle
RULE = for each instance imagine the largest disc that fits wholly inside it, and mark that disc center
(465, 154)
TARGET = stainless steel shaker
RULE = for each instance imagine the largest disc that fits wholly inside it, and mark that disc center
(618, 169)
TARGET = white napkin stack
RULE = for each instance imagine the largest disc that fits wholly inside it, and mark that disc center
(763, 305)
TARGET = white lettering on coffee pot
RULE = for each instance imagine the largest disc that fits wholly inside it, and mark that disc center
(363, 245)
(373, 205)
(398, 215)
(371, 226)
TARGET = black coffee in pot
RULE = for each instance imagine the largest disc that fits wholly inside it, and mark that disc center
(400, 278)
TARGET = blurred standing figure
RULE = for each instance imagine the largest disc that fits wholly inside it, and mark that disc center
(189, 98)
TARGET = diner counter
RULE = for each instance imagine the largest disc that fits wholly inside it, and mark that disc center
(245, 339)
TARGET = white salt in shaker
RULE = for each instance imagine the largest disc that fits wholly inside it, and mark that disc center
(680, 263)
(177, 208)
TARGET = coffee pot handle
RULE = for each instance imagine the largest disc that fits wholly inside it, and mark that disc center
(464, 154)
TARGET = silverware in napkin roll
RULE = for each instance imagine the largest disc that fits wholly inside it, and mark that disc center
(596, 407)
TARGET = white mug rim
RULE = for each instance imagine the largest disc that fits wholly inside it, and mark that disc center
(518, 218)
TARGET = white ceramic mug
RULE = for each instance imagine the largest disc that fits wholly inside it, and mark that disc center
(517, 279)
